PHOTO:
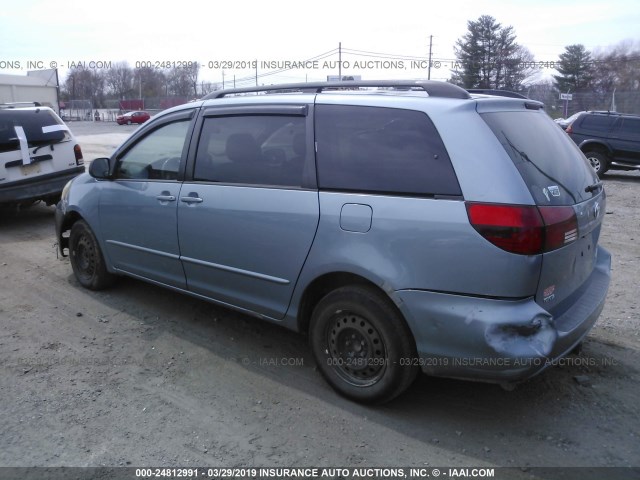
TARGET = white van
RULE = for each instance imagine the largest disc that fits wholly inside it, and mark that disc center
(38, 155)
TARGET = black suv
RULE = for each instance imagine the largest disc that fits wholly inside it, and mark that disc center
(609, 140)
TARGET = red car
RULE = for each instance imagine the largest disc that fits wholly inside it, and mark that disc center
(133, 117)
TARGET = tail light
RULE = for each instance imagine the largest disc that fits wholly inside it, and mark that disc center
(525, 230)
(78, 153)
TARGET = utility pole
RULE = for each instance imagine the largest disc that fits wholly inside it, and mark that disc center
(340, 60)
(429, 68)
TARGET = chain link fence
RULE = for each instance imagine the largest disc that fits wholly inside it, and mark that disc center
(623, 102)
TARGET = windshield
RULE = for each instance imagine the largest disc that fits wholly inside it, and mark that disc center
(552, 166)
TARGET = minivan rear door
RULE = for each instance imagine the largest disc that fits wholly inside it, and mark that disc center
(566, 190)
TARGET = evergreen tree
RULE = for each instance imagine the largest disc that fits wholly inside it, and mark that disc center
(575, 68)
(488, 56)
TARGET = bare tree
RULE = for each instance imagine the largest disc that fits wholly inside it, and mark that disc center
(183, 80)
(119, 79)
(85, 84)
(192, 72)
(617, 67)
(208, 87)
(149, 82)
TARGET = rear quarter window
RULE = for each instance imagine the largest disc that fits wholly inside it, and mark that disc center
(630, 127)
(387, 150)
(551, 165)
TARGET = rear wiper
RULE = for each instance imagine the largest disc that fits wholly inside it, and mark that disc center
(594, 187)
(47, 143)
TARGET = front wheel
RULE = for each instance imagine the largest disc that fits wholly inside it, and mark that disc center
(598, 162)
(86, 258)
(362, 345)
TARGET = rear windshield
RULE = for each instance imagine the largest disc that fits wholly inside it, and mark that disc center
(37, 126)
(552, 166)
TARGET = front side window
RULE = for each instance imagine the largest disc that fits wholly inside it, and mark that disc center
(385, 150)
(157, 156)
(252, 149)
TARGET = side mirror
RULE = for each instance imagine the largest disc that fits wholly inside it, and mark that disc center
(100, 168)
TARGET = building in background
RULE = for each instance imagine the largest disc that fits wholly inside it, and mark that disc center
(37, 86)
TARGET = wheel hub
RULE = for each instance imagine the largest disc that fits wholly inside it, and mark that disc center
(85, 256)
(356, 349)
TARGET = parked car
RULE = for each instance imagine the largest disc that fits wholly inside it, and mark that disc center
(415, 227)
(610, 141)
(38, 155)
(133, 117)
(565, 122)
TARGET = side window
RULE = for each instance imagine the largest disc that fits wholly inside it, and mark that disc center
(381, 150)
(252, 149)
(630, 127)
(157, 156)
(597, 123)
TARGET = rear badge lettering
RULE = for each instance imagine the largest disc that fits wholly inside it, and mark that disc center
(548, 294)
(554, 190)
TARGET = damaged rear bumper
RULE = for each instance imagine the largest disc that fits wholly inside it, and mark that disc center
(500, 340)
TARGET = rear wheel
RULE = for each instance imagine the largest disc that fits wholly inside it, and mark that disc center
(598, 161)
(362, 345)
(86, 258)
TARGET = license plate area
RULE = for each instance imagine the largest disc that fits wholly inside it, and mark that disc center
(31, 169)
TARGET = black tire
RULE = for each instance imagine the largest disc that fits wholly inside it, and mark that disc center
(599, 162)
(86, 258)
(362, 345)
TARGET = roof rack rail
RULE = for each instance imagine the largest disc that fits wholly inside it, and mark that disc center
(20, 104)
(432, 88)
(497, 93)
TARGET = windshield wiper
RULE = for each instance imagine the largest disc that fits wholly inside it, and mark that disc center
(526, 158)
(594, 187)
(48, 143)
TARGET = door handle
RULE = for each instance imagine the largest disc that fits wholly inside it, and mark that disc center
(166, 198)
(191, 198)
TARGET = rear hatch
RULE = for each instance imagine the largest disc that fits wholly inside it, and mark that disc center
(33, 142)
(568, 195)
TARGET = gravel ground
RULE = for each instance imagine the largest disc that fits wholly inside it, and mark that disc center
(142, 376)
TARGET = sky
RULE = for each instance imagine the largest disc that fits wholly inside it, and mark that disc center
(226, 38)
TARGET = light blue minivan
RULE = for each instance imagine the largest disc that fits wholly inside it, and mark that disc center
(403, 226)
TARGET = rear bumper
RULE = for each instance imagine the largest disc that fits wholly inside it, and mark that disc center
(500, 340)
(37, 188)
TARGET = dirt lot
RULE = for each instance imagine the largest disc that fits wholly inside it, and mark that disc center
(141, 376)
